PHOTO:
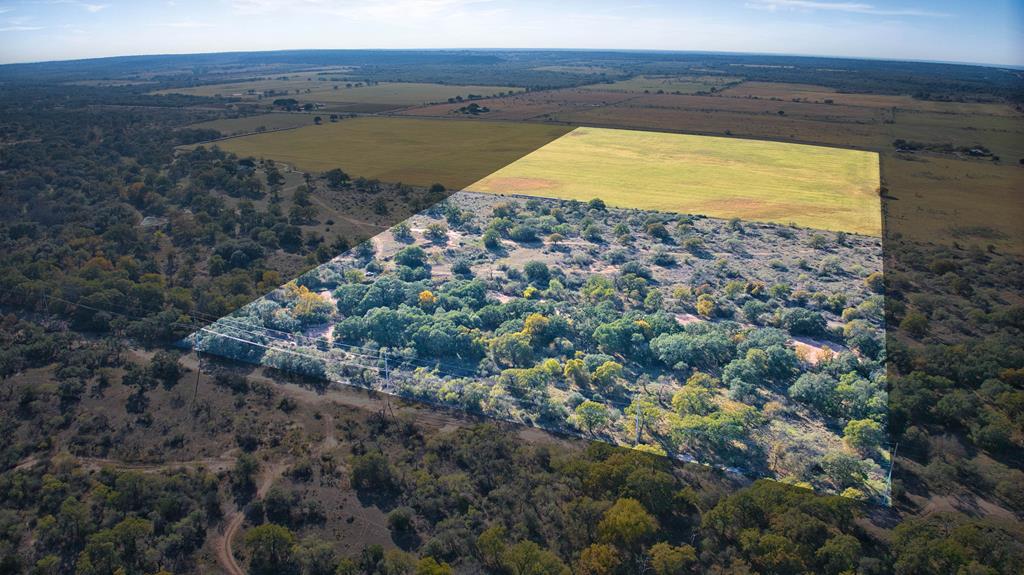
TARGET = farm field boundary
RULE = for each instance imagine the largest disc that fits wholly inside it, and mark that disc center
(408, 150)
(812, 186)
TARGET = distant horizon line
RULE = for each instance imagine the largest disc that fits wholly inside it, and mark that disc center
(477, 49)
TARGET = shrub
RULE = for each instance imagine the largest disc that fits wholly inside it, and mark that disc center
(523, 234)
(863, 434)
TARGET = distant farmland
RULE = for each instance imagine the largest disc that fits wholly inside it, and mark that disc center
(260, 123)
(332, 93)
(667, 84)
(409, 150)
(811, 93)
(813, 186)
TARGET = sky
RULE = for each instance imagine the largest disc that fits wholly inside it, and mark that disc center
(979, 31)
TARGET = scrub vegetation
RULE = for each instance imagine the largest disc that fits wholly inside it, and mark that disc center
(668, 333)
(120, 452)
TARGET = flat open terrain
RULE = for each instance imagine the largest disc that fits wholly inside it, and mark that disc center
(330, 91)
(813, 186)
(408, 150)
(920, 183)
(812, 93)
(669, 84)
(538, 105)
(259, 123)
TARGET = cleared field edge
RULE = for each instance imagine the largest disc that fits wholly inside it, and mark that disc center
(417, 151)
(858, 212)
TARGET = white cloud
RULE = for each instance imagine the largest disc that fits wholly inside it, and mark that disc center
(187, 24)
(849, 7)
(355, 8)
(73, 29)
(88, 7)
(20, 28)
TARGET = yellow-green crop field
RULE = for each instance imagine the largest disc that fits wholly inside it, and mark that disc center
(409, 150)
(812, 186)
(396, 94)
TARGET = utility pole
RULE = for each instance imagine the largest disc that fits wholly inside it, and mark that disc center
(387, 384)
(638, 429)
(888, 479)
(199, 371)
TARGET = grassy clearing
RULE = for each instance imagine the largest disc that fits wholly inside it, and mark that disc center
(929, 184)
(667, 84)
(325, 90)
(408, 150)
(928, 201)
(814, 186)
(260, 123)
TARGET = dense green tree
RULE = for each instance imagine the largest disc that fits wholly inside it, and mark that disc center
(528, 558)
(430, 566)
(271, 550)
(371, 471)
(840, 554)
(537, 273)
(667, 559)
(804, 322)
(411, 256)
(627, 524)
(591, 415)
(317, 558)
(863, 434)
(513, 349)
(598, 559)
(336, 179)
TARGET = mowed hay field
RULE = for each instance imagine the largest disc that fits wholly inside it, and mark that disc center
(812, 186)
(408, 150)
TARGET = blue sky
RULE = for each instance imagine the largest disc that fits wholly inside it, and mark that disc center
(982, 31)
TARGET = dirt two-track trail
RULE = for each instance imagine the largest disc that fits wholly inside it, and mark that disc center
(225, 555)
(341, 396)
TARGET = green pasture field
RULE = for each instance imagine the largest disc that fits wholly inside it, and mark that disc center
(668, 84)
(326, 91)
(813, 186)
(250, 124)
(408, 150)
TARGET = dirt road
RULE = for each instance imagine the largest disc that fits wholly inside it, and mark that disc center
(223, 545)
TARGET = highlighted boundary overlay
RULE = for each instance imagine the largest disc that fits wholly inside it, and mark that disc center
(316, 353)
(415, 151)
